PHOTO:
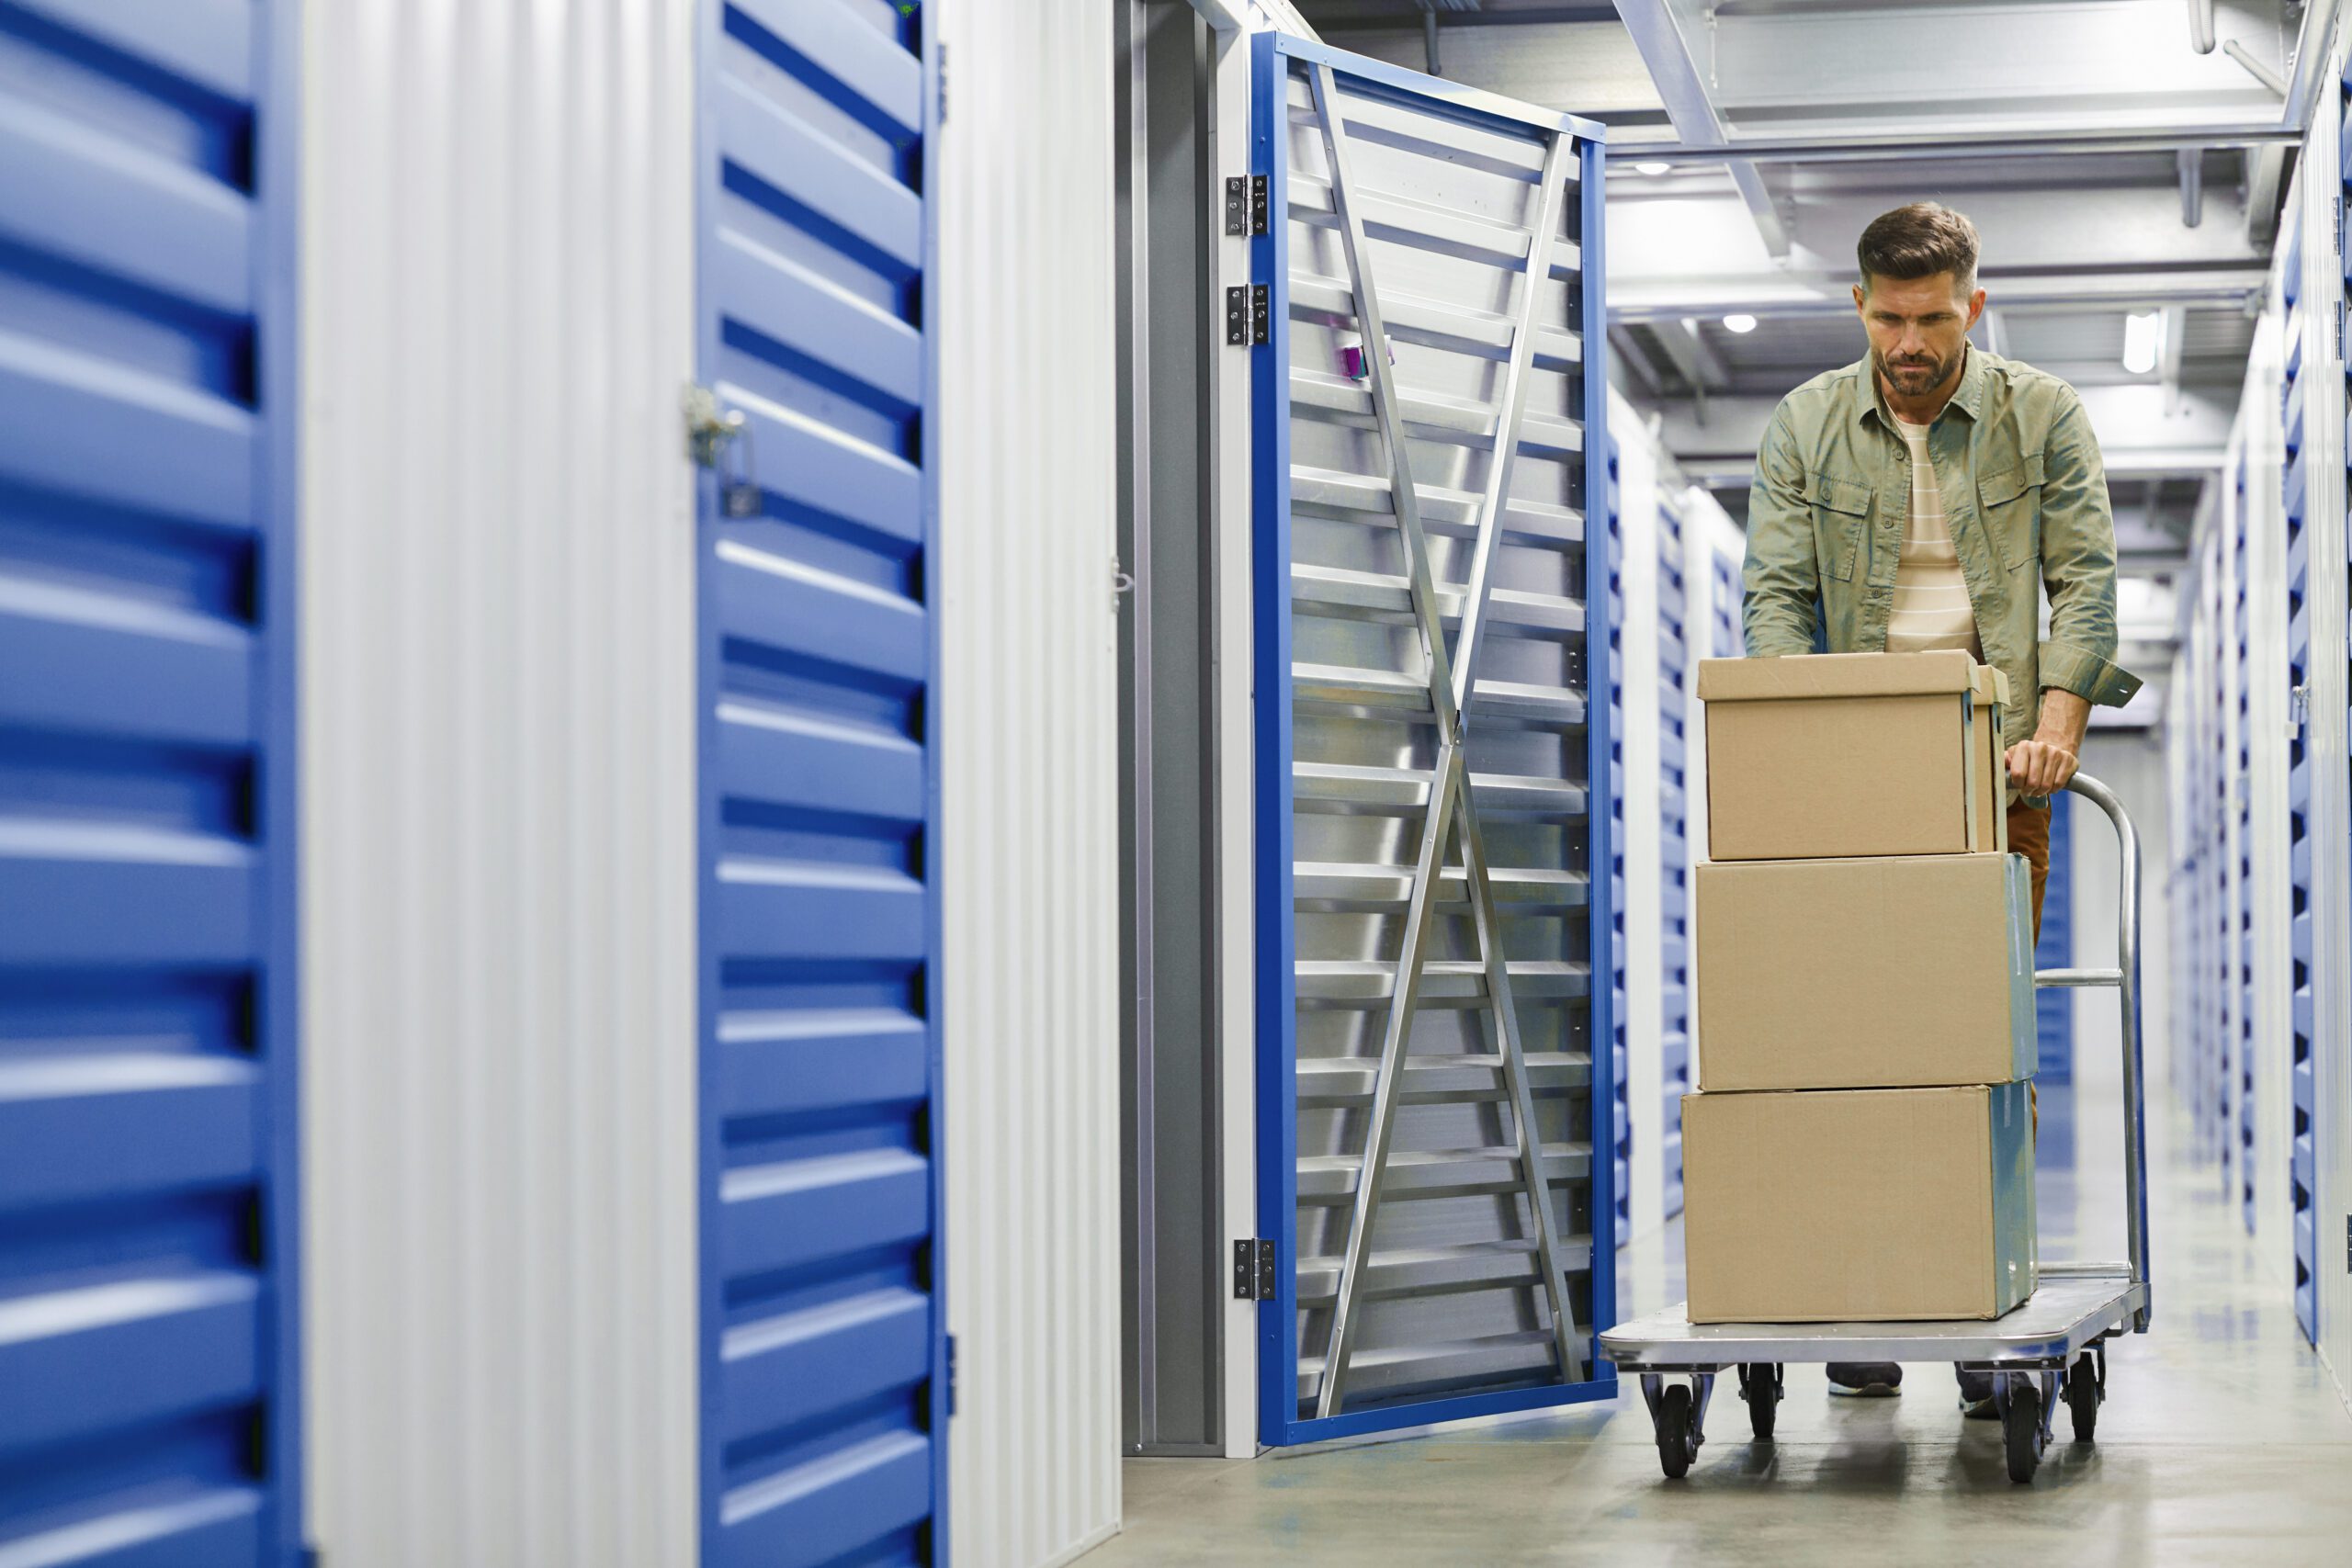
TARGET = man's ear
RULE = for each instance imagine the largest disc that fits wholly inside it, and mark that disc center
(1858, 298)
(1975, 306)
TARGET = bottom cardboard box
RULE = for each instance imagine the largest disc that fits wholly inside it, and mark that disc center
(1858, 1204)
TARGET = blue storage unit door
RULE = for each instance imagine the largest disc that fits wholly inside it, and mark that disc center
(2054, 1007)
(148, 1405)
(823, 1366)
(2302, 1184)
(1436, 1110)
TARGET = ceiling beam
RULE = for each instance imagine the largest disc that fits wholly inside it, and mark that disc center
(2020, 142)
(1634, 298)
(1658, 34)
(1637, 358)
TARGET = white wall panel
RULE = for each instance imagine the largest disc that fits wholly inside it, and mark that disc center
(1030, 786)
(498, 730)
(1639, 480)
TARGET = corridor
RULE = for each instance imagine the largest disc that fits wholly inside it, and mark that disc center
(2222, 1441)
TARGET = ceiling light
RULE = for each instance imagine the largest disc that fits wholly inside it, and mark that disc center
(1651, 167)
(2143, 338)
(1740, 323)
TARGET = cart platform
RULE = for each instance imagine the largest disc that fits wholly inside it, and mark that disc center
(2073, 1305)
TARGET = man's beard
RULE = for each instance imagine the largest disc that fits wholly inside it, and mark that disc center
(1913, 380)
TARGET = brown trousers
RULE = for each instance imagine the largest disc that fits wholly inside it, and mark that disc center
(2030, 837)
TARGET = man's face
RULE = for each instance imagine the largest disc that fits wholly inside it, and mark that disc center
(1919, 328)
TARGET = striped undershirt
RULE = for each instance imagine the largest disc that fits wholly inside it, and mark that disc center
(1931, 608)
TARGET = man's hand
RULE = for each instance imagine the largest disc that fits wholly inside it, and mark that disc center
(2044, 764)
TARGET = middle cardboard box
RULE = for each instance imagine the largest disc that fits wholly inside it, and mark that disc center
(1899, 972)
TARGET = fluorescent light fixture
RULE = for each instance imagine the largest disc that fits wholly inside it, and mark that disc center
(1651, 167)
(1739, 323)
(2144, 341)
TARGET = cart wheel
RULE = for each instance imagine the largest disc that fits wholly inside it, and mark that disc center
(2021, 1432)
(1678, 1431)
(1759, 1385)
(2082, 1396)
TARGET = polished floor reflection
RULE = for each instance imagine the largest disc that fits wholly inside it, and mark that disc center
(2223, 1441)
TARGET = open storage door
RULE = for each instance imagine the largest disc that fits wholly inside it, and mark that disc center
(823, 1351)
(1434, 1132)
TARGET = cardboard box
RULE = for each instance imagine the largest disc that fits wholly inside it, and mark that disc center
(1836, 754)
(1865, 973)
(1859, 1204)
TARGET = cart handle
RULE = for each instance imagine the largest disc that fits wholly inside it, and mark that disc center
(2125, 978)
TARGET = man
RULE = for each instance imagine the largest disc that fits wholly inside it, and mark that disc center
(1922, 497)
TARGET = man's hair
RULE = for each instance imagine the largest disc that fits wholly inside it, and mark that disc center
(1919, 240)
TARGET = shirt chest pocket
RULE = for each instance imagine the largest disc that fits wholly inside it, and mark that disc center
(1841, 512)
(2010, 502)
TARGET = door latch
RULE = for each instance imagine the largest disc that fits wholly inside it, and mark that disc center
(2299, 709)
(712, 433)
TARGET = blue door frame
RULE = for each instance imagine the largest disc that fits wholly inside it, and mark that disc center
(1279, 1420)
(823, 1347)
(149, 1412)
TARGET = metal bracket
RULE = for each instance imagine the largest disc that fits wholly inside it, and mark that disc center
(1253, 1270)
(1245, 204)
(1245, 316)
(951, 1374)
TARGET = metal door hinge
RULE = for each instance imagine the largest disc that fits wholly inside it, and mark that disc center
(951, 1374)
(2299, 709)
(1122, 581)
(1245, 315)
(711, 432)
(1253, 1270)
(1245, 204)
(939, 112)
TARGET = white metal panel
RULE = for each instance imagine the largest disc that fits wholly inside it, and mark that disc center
(1236, 776)
(499, 948)
(1709, 535)
(2258, 438)
(1639, 481)
(1030, 786)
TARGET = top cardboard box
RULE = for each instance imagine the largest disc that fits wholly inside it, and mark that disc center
(1821, 755)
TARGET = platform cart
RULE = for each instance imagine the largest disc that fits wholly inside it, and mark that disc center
(2050, 1347)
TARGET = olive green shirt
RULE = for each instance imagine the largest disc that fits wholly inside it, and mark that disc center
(2024, 494)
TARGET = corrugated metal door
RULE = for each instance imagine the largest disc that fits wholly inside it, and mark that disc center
(147, 1408)
(2054, 1007)
(823, 1364)
(1435, 1102)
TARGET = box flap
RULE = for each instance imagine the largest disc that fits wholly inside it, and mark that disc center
(1834, 675)
(1990, 684)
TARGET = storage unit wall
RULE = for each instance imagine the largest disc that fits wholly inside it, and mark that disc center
(1674, 704)
(2260, 879)
(598, 1274)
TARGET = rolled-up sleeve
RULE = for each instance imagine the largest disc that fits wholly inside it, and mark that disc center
(1782, 574)
(2078, 567)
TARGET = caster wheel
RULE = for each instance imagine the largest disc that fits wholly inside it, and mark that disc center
(2021, 1432)
(1678, 1432)
(1759, 1385)
(2082, 1394)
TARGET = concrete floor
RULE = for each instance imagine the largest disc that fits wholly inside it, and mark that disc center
(2222, 1440)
